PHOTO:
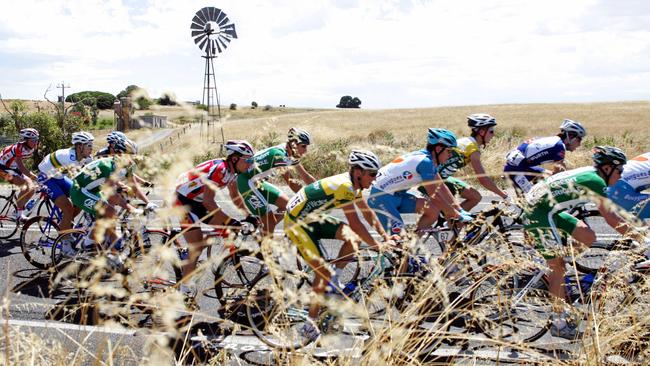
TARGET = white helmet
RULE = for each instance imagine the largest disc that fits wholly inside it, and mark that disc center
(364, 160)
(574, 127)
(125, 146)
(242, 147)
(82, 137)
(299, 135)
(29, 134)
(477, 120)
(115, 136)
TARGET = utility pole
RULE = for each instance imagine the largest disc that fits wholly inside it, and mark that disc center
(62, 86)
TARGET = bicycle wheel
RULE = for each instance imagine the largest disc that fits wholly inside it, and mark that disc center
(45, 208)
(8, 223)
(276, 312)
(73, 238)
(234, 276)
(36, 240)
(154, 261)
(505, 311)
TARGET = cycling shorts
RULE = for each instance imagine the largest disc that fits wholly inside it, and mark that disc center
(85, 199)
(195, 212)
(56, 187)
(455, 185)
(548, 228)
(389, 206)
(306, 236)
(628, 198)
(258, 195)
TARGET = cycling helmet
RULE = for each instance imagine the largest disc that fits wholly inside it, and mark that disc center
(242, 147)
(299, 135)
(481, 120)
(440, 136)
(125, 146)
(82, 138)
(29, 134)
(114, 136)
(608, 155)
(573, 126)
(364, 160)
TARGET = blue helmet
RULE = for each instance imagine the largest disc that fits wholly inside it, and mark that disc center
(440, 136)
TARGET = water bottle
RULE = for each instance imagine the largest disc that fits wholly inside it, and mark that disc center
(586, 281)
(30, 204)
(350, 287)
(184, 254)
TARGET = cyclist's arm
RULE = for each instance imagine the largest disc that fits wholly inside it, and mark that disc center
(371, 217)
(304, 174)
(611, 218)
(133, 183)
(116, 198)
(236, 197)
(487, 182)
(293, 184)
(141, 180)
(441, 196)
(23, 169)
(357, 227)
(219, 217)
(559, 167)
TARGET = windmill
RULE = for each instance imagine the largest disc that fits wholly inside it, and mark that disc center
(212, 31)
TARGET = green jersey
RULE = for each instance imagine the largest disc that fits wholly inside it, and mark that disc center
(566, 190)
(268, 160)
(94, 174)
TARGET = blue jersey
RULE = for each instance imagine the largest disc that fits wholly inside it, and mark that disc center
(405, 172)
(534, 152)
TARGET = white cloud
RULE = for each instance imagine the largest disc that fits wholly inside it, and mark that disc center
(309, 53)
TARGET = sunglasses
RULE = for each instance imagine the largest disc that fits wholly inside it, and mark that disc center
(372, 173)
(491, 130)
(249, 160)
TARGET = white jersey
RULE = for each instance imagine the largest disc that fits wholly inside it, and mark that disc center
(55, 163)
(406, 172)
(636, 172)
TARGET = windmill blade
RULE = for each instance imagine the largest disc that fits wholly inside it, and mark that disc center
(200, 38)
(204, 14)
(223, 20)
(217, 44)
(223, 45)
(202, 44)
(196, 26)
(198, 20)
(218, 12)
(229, 30)
(197, 33)
(223, 38)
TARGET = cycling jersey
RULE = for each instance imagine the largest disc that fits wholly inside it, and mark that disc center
(627, 190)
(405, 172)
(534, 152)
(54, 164)
(192, 183)
(321, 196)
(87, 184)
(459, 157)
(259, 196)
(12, 152)
(550, 199)
(103, 152)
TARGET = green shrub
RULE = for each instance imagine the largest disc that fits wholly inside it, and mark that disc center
(202, 107)
(233, 106)
(90, 98)
(268, 107)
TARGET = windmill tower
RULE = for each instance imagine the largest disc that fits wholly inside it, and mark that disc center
(212, 31)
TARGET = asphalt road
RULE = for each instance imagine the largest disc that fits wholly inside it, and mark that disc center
(28, 299)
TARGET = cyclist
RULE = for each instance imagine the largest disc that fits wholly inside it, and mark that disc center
(262, 198)
(196, 192)
(98, 188)
(546, 220)
(111, 139)
(52, 169)
(13, 170)
(306, 222)
(523, 163)
(389, 196)
(627, 192)
(467, 152)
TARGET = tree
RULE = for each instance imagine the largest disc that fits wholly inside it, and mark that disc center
(349, 102)
(128, 92)
(91, 98)
(253, 105)
(167, 99)
(233, 106)
(17, 110)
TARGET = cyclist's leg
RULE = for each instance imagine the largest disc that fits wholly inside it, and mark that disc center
(628, 198)
(190, 222)
(642, 209)
(306, 236)
(260, 198)
(469, 194)
(58, 190)
(386, 207)
(27, 189)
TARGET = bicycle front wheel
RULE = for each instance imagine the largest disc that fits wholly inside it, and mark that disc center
(8, 223)
(277, 320)
(506, 311)
(36, 240)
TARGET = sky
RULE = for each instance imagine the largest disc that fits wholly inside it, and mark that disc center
(388, 53)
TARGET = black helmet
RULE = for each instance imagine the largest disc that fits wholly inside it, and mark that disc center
(604, 155)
